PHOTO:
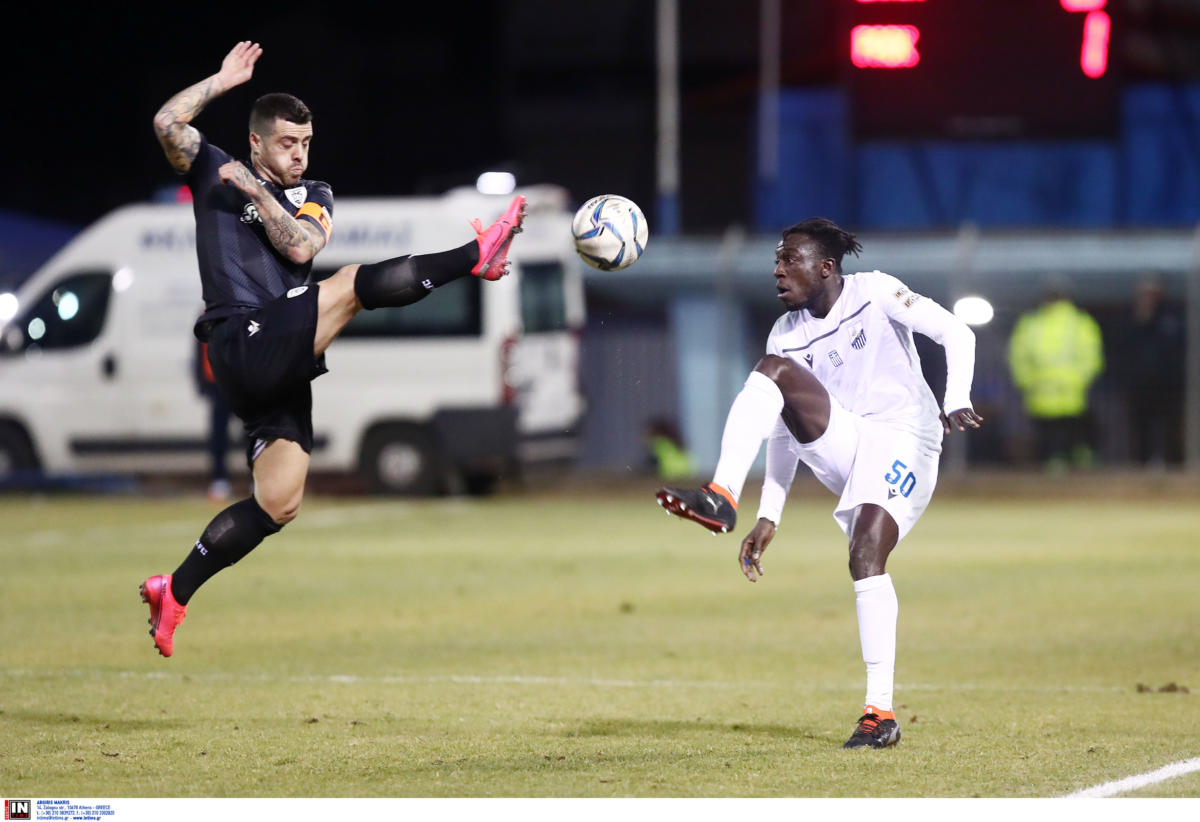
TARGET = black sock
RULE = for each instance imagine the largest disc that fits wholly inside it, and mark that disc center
(404, 280)
(231, 535)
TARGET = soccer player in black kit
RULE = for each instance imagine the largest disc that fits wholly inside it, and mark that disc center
(259, 224)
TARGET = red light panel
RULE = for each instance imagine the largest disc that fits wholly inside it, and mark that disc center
(972, 70)
(889, 47)
(1093, 57)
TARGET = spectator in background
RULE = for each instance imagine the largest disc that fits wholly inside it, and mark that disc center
(1150, 358)
(1055, 353)
(217, 440)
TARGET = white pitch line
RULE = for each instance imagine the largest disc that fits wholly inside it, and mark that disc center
(532, 679)
(353, 679)
(331, 517)
(1132, 783)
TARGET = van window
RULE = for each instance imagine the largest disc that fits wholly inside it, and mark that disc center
(543, 303)
(454, 310)
(68, 315)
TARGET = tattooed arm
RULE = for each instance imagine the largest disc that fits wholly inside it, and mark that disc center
(180, 141)
(297, 240)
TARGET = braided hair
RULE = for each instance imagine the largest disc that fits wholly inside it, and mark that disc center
(833, 241)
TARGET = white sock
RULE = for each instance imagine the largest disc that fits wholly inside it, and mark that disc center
(751, 419)
(877, 612)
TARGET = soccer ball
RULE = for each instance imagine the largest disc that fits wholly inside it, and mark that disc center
(610, 232)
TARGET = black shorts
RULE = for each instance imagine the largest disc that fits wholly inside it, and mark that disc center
(264, 363)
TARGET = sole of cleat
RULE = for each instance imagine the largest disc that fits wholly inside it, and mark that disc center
(484, 268)
(678, 508)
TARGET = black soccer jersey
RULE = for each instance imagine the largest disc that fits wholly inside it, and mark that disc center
(239, 268)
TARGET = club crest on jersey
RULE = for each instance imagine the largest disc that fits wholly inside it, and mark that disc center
(858, 337)
(296, 195)
(250, 214)
(835, 358)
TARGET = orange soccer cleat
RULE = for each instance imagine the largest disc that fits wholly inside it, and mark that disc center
(876, 729)
(710, 506)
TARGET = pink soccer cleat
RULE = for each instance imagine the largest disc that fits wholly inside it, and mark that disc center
(165, 613)
(495, 240)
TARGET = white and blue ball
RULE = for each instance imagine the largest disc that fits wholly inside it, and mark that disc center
(610, 232)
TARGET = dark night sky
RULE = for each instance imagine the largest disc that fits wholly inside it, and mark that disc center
(394, 104)
(417, 98)
(412, 102)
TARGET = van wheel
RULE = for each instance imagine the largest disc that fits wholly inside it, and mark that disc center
(402, 459)
(16, 452)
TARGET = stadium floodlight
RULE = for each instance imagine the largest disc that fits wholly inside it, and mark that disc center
(496, 182)
(8, 306)
(122, 279)
(974, 310)
(68, 306)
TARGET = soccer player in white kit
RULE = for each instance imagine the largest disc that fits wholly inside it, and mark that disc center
(841, 389)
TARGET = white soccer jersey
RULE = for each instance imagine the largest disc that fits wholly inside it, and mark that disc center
(864, 355)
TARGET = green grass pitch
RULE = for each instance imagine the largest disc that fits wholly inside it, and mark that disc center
(584, 645)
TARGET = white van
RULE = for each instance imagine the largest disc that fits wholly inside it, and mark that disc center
(96, 368)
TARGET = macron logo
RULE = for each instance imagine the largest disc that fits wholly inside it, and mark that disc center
(253, 328)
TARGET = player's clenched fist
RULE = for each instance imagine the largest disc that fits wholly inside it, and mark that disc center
(236, 174)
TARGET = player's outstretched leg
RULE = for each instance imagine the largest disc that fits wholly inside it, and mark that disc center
(495, 240)
(409, 279)
(751, 418)
(876, 729)
(711, 506)
(165, 613)
(776, 389)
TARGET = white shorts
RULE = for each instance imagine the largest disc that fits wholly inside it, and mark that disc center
(865, 461)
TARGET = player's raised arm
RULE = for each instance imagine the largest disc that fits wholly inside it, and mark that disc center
(925, 316)
(180, 141)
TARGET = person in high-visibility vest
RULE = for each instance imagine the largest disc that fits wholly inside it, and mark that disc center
(665, 447)
(1055, 354)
